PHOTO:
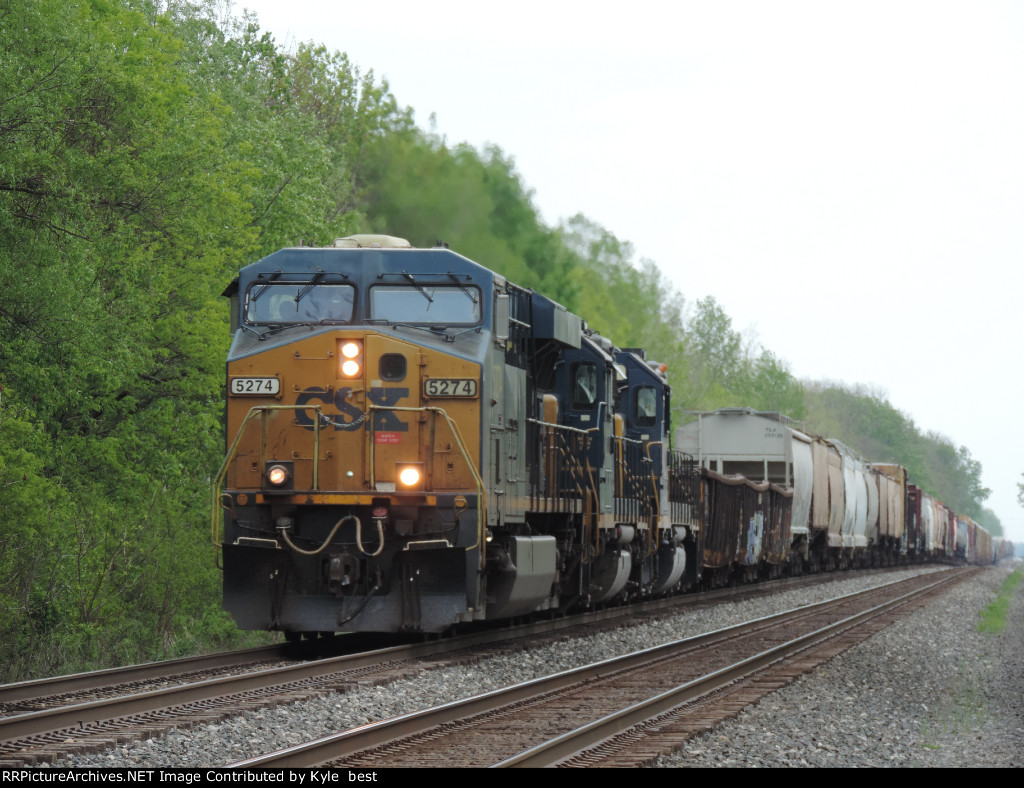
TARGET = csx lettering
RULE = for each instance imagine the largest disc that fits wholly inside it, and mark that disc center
(349, 416)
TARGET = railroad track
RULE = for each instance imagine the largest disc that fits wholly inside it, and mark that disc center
(28, 696)
(47, 693)
(626, 711)
(49, 719)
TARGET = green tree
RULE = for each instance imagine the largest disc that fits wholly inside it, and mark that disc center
(768, 385)
(300, 123)
(113, 225)
(631, 303)
(415, 186)
(143, 156)
(988, 520)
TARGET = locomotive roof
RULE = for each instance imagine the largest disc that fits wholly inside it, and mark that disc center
(368, 264)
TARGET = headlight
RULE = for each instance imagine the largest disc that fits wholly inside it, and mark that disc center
(410, 475)
(351, 354)
(278, 476)
(350, 349)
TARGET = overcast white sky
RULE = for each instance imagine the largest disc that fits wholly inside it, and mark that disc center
(845, 178)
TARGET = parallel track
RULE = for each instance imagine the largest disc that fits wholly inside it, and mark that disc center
(578, 717)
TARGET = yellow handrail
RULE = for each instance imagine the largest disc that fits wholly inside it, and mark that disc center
(215, 520)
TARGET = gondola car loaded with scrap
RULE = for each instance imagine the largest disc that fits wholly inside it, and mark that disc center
(415, 442)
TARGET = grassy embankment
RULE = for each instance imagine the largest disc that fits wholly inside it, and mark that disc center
(993, 617)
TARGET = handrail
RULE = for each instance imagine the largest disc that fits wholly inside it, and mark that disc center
(655, 495)
(562, 427)
(219, 479)
(263, 409)
(582, 477)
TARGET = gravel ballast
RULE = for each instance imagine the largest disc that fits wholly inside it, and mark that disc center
(927, 691)
(930, 690)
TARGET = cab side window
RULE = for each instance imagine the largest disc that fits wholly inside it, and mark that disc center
(584, 385)
(646, 406)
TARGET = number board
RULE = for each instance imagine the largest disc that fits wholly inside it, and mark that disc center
(449, 387)
(255, 386)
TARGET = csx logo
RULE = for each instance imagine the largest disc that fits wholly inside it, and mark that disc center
(349, 416)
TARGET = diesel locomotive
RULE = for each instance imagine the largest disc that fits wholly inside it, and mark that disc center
(415, 442)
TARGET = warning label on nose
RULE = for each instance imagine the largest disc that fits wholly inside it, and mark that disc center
(387, 437)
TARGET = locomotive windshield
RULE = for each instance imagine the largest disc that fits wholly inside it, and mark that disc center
(297, 302)
(425, 304)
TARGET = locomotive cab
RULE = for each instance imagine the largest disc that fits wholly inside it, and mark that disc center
(353, 496)
(643, 407)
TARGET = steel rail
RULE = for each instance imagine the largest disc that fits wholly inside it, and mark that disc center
(98, 679)
(375, 734)
(266, 681)
(587, 736)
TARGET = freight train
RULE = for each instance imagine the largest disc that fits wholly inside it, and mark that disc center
(845, 512)
(414, 442)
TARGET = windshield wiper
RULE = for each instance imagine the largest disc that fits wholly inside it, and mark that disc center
(320, 273)
(260, 292)
(278, 329)
(452, 337)
(462, 287)
(415, 284)
(432, 329)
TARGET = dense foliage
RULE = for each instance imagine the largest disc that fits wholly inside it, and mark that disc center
(146, 152)
(143, 156)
